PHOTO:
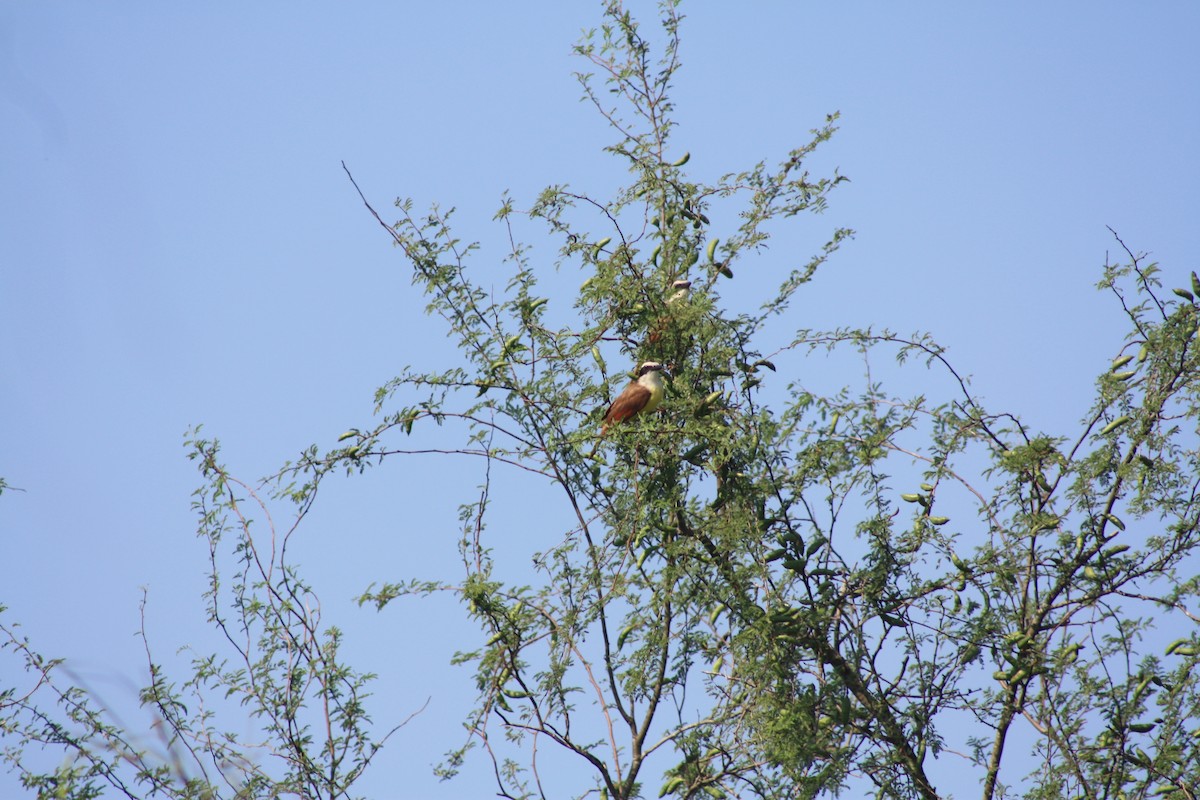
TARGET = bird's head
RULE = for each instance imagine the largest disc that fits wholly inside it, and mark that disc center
(648, 367)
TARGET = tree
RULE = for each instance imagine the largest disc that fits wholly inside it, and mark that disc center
(761, 590)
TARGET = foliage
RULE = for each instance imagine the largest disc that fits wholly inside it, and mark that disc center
(282, 668)
(761, 590)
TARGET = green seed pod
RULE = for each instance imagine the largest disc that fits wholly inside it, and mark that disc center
(1175, 645)
(686, 157)
(1016, 637)
(624, 634)
(1122, 361)
(1185, 294)
(1116, 423)
(711, 250)
(671, 786)
(598, 358)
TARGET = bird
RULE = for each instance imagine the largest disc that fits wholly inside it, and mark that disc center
(679, 294)
(681, 291)
(644, 393)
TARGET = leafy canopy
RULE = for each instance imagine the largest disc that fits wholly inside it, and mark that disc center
(759, 590)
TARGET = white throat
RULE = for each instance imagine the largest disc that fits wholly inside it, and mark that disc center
(653, 381)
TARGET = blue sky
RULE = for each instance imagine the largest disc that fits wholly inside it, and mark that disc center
(179, 245)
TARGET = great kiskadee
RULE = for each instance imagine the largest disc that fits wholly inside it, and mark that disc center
(681, 291)
(643, 394)
(678, 294)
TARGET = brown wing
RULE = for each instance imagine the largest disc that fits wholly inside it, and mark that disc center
(628, 403)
